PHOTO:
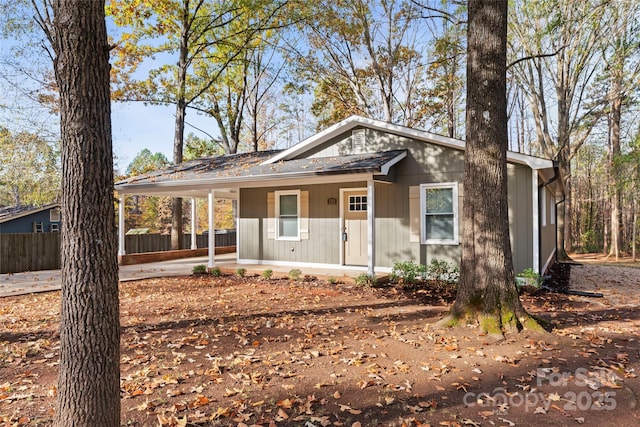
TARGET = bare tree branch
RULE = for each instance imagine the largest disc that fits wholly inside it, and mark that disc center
(541, 55)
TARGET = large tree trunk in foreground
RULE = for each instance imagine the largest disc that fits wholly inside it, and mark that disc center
(89, 381)
(487, 291)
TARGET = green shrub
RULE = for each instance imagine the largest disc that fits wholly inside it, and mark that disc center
(267, 274)
(215, 272)
(528, 277)
(332, 280)
(294, 274)
(442, 272)
(241, 272)
(199, 269)
(407, 272)
(529, 273)
(365, 280)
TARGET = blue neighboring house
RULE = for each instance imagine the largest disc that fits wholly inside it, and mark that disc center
(30, 219)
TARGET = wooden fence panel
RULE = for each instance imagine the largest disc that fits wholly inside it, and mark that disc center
(41, 251)
(140, 243)
(29, 252)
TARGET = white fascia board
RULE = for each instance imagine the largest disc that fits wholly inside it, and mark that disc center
(535, 163)
(384, 170)
(194, 188)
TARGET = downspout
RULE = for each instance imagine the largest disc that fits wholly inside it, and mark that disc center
(556, 175)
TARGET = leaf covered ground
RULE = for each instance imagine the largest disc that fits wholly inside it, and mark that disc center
(231, 351)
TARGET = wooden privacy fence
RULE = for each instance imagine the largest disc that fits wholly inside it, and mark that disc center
(140, 243)
(29, 252)
(41, 251)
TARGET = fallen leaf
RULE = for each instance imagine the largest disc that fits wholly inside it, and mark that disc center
(554, 397)
(286, 403)
(282, 414)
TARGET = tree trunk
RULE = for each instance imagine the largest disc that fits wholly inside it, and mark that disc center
(176, 202)
(178, 137)
(487, 290)
(634, 231)
(616, 197)
(89, 380)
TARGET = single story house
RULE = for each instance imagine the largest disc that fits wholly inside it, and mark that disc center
(362, 193)
(30, 219)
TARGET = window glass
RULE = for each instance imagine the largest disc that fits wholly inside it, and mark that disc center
(357, 203)
(288, 215)
(439, 210)
(439, 200)
(440, 227)
(289, 205)
(54, 215)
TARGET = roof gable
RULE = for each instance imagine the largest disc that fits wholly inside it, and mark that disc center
(353, 122)
(10, 213)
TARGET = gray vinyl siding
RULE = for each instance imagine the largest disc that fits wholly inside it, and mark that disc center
(520, 215)
(392, 220)
(323, 245)
(425, 163)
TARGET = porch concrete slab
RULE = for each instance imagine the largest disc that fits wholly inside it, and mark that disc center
(49, 280)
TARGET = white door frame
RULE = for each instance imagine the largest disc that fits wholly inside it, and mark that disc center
(341, 223)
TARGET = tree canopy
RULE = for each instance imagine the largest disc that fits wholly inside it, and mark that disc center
(30, 174)
(267, 74)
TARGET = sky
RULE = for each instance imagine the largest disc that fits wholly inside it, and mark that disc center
(136, 126)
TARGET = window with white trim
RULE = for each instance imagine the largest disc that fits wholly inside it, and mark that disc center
(54, 215)
(439, 213)
(287, 215)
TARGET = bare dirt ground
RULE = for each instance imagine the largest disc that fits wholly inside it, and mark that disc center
(226, 351)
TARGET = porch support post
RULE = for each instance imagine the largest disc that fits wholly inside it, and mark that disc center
(212, 231)
(121, 248)
(194, 223)
(371, 228)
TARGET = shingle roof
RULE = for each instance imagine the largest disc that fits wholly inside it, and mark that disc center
(8, 213)
(208, 167)
(248, 166)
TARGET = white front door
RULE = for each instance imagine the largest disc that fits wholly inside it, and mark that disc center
(354, 230)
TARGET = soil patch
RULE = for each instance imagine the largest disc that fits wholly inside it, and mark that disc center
(199, 350)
